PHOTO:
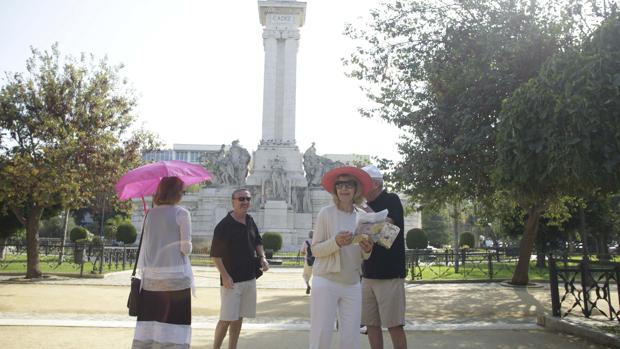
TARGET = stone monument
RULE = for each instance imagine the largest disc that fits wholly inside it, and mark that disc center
(277, 176)
(285, 184)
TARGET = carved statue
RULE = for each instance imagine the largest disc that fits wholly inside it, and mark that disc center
(279, 183)
(229, 167)
(316, 166)
(239, 158)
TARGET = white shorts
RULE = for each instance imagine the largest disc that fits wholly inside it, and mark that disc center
(238, 302)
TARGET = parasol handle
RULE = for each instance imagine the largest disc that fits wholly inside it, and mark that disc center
(144, 204)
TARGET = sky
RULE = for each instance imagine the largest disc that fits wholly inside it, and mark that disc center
(197, 66)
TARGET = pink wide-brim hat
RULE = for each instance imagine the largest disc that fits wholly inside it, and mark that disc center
(329, 179)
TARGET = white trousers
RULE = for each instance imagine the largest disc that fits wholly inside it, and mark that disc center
(307, 272)
(329, 299)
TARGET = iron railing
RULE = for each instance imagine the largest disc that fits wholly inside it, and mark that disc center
(585, 286)
(80, 257)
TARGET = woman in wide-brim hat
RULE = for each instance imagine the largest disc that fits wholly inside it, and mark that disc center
(337, 265)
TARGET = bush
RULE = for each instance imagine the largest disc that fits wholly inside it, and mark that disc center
(417, 239)
(126, 233)
(111, 226)
(96, 241)
(272, 241)
(467, 239)
(80, 234)
(52, 227)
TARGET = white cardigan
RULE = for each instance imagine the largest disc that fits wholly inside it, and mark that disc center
(324, 246)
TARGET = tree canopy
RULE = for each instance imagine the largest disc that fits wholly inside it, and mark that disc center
(441, 71)
(64, 136)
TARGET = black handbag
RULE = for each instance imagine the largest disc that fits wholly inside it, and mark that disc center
(134, 296)
(133, 302)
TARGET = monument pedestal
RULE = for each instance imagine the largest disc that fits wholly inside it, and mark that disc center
(275, 216)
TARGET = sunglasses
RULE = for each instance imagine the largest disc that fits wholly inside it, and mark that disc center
(244, 198)
(345, 184)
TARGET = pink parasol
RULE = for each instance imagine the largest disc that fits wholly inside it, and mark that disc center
(143, 181)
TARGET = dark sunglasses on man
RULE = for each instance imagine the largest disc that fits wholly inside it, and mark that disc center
(244, 198)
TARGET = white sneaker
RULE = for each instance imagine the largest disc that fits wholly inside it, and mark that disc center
(363, 329)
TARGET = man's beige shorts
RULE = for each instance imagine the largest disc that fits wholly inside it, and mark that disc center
(238, 302)
(383, 302)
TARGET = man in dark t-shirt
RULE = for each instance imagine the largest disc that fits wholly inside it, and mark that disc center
(383, 284)
(235, 248)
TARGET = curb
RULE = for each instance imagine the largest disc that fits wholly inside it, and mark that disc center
(556, 324)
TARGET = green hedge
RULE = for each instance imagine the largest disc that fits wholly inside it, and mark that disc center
(272, 241)
(126, 233)
(416, 239)
(80, 234)
(467, 239)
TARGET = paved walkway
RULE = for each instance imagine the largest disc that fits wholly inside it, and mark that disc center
(66, 312)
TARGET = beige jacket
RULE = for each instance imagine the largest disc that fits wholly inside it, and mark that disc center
(324, 246)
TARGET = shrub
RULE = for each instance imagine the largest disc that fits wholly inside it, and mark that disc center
(272, 241)
(96, 241)
(111, 226)
(53, 227)
(416, 239)
(467, 239)
(80, 234)
(126, 233)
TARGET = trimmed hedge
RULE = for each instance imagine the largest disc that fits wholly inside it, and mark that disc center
(80, 233)
(272, 241)
(467, 239)
(126, 233)
(416, 239)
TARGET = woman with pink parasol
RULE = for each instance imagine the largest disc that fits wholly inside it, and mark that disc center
(164, 309)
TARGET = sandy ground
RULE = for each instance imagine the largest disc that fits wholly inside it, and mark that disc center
(438, 315)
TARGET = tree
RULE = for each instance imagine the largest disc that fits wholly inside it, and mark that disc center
(574, 148)
(440, 71)
(436, 224)
(64, 137)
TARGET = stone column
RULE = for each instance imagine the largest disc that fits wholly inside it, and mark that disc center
(269, 85)
(281, 21)
(290, 83)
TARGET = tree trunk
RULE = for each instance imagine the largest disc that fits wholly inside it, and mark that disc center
(584, 231)
(61, 254)
(521, 277)
(540, 249)
(2, 247)
(33, 269)
(455, 227)
(455, 236)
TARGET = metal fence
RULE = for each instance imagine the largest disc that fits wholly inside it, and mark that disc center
(584, 286)
(489, 264)
(73, 257)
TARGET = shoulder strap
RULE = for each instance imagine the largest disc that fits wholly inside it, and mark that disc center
(135, 264)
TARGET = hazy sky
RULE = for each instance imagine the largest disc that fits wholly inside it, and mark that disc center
(197, 66)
